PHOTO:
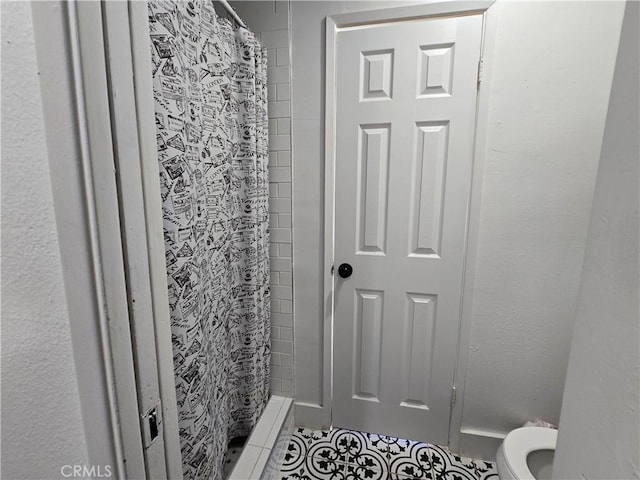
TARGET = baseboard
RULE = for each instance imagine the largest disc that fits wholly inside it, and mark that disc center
(479, 444)
(312, 415)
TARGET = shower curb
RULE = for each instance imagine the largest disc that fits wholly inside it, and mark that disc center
(263, 454)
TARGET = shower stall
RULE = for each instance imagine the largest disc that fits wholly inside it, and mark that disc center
(211, 116)
(171, 102)
(210, 89)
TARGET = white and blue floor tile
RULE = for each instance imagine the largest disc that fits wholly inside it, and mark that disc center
(340, 454)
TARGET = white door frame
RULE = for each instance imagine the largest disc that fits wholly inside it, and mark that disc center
(100, 126)
(334, 24)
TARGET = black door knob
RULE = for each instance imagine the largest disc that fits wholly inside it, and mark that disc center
(345, 270)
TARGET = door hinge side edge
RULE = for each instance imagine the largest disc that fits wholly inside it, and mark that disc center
(453, 395)
(480, 69)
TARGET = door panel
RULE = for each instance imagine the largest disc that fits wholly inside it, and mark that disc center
(372, 190)
(405, 115)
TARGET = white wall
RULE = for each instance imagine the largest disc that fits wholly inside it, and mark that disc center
(270, 20)
(42, 426)
(551, 78)
(599, 435)
(262, 15)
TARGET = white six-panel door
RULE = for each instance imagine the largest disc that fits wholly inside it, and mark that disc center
(405, 113)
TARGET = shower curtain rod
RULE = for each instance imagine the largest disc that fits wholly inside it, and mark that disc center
(233, 13)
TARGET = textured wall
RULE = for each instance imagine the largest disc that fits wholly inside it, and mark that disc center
(41, 419)
(599, 435)
(548, 103)
(271, 19)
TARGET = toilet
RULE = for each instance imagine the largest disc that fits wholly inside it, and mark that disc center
(527, 454)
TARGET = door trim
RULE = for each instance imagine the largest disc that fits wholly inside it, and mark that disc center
(487, 54)
(334, 24)
(91, 306)
(100, 127)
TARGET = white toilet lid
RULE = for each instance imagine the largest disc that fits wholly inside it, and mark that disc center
(519, 443)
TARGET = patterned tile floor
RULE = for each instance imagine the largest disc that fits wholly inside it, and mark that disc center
(347, 455)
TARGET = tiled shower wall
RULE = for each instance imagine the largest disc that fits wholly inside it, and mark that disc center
(282, 375)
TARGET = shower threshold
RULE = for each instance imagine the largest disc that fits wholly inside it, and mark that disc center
(263, 452)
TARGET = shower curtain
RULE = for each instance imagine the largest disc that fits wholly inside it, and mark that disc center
(209, 85)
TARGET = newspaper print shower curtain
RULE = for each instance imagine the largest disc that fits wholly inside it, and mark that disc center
(209, 83)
